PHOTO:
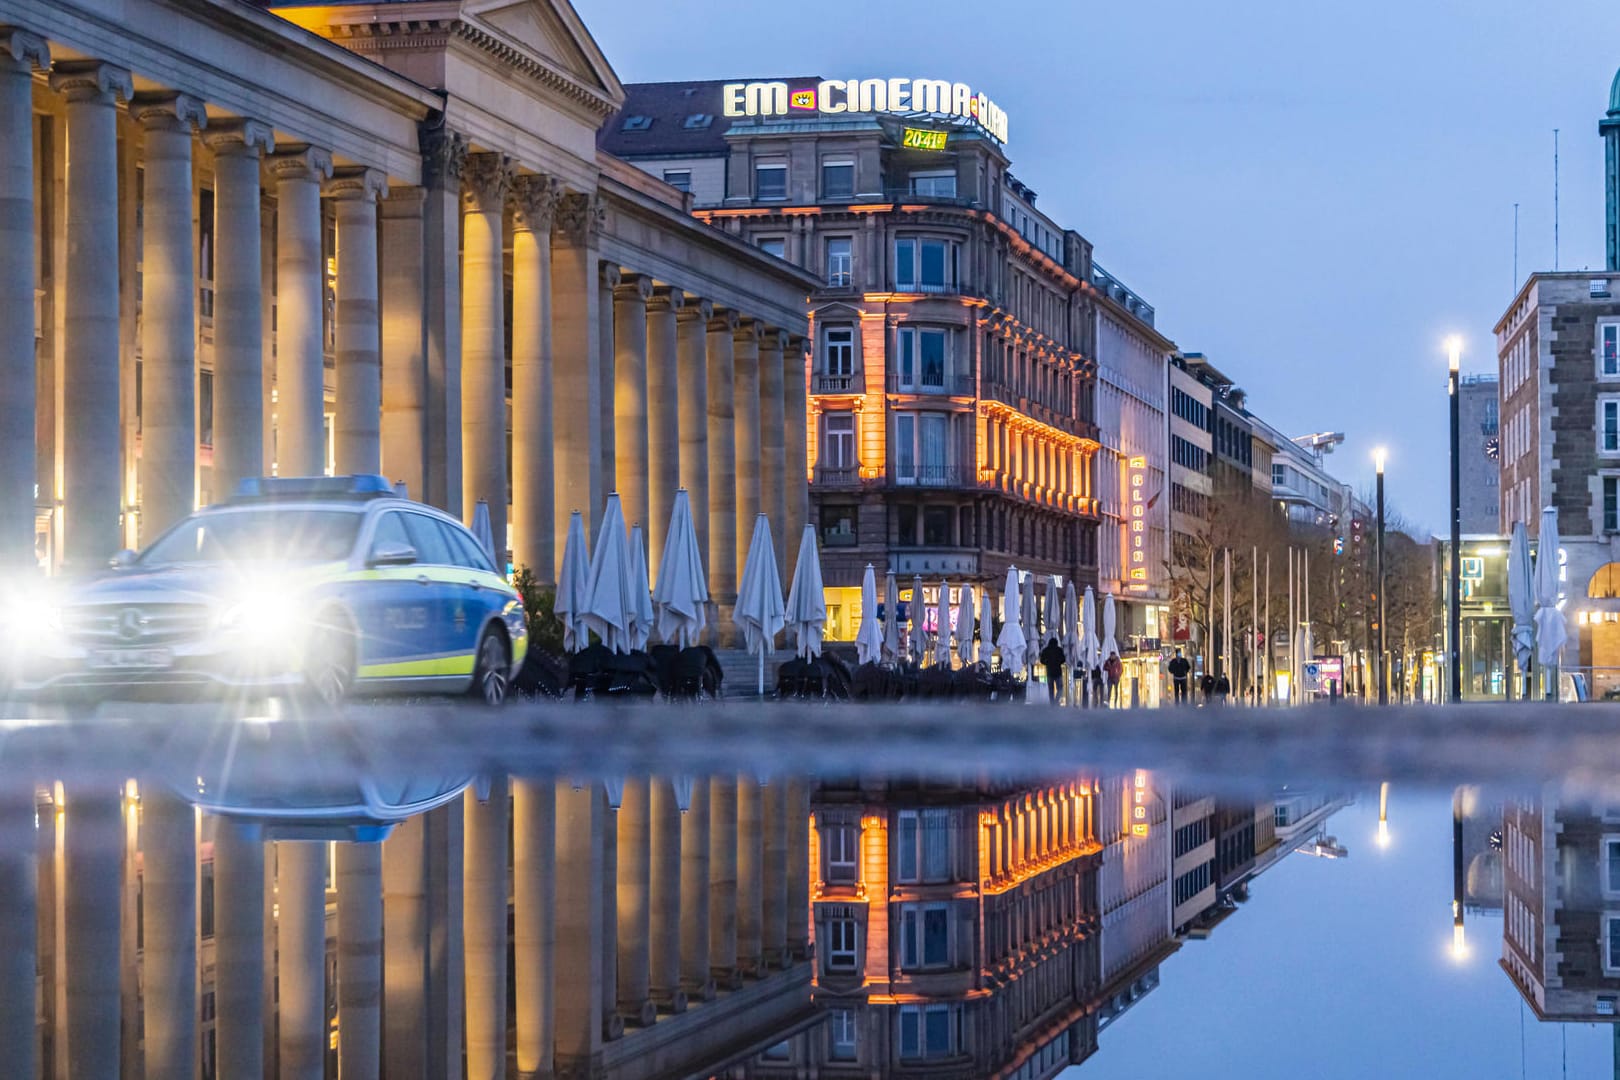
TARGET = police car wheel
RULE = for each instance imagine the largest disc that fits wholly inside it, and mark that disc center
(490, 681)
(328, 675)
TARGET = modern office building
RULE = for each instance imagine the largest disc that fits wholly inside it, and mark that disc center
(325, 238)
(951, 427)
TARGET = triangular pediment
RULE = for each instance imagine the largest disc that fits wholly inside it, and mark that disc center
(555, 34)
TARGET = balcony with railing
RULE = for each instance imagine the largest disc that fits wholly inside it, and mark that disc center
(952, 385)
(835, 477)
(821, 383)
(995, 390)
(935, 476)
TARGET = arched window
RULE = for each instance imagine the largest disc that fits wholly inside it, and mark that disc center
(1605, 583)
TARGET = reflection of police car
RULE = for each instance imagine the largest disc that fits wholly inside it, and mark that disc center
(320, 585)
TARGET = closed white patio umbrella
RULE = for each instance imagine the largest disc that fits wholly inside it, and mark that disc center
(760, 612)
(1109, 645)
(942, 625)
(869, 639)
(964, 625)
(891, 618)
(806, 614)
(1089, 644)
(572, 583)
(914, 617)
(1052, 612)
(1071, 634)
(682, 596)
(1011, 643)
(641, 605)
(1522, 600)
(987, 628)
(1027, 623)
(1551, 633)
(610, 592)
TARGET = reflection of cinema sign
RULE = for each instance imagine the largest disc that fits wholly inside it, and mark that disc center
(1139, 804)
(832, 97)
(1136, 474)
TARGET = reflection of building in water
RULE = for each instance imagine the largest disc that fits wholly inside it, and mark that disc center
(1481, 850)
(955, 930)
(1561, 907)
(1133, 890)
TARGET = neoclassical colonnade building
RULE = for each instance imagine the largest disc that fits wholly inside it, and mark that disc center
(367, 238)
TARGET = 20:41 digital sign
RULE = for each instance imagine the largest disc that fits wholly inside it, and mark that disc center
(922, 139)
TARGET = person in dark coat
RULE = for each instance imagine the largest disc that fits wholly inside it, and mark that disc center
(1206, 686)
(1223, 687)
(1180, 669)
(1052, 657)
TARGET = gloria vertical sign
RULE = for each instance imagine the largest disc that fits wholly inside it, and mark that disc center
(1140, 798)
(1136, 508)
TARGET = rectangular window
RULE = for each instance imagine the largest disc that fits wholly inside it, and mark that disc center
(839, 352)
(1611, 943)
(1609, 349)
(924, 265)
(837, 179)
(838, 452)
(843, 950)
(841, 1035)
(933, 264)
(905, 264)
(205, 253)
(1611, 865)
(924, 936)
(773, 245)
(1611, 504)
(840, 261)
(927, 1031)
(936, 526)
(205, 408)
(937, 184)
(1609, 439)
(770, 181)
(679, 179)
(922, 359)
(838, 525)
(905, 448)
(924, 847)
(931, 449)
(841, 841)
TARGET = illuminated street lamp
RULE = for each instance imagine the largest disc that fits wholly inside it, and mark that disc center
(1454, 608)
(1459, 947)
(1383, 814)
(1379, 457)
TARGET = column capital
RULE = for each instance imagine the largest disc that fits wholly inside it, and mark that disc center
(699, 309)
(22, 50)
(634, 287)
(725, 320)
(667, 298)
(534, 202)
(609, 275)
(240, 138)
(485, 180)
(300, 162)
(357, 182)
(91, 80)
(748, 332)
(444, 155)
(168, 111)
(794, 343)
(579, 218)
(774, 338)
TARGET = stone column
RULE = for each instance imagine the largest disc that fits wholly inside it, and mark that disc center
(300, 271)
(422, 934)
(723, 563)
(20, 54)
(483, 340)
(359, 957)
(612, 1023)
(357, 425)
(404, 356)
(91, 455)
(19, 900)
(580, 824)
(91, 887)
(169, 956)
(609, 278)
(630, 395)
(634, 865)
(485, 933)
(774, 927)
(695, 978)
(301, 949)
(238, 947)
(534, 201)
(238, 294)
(444, 157)
(773, 448)
(664, 899)
(723, 881)
(692, 348)
(575, 377)
(799, 872)
(534, 926)
(796, 475)
(745, 396)
(664, 393)
(750, 876)
(168, 462)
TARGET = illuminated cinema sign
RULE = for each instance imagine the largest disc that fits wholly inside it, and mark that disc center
(1137, 574)
(832, 97)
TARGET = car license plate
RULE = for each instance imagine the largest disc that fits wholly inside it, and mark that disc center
(131, 659)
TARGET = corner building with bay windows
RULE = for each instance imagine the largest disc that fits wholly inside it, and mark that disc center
(950, 380)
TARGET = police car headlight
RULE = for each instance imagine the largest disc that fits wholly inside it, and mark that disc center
(29, 613)
(264, 616)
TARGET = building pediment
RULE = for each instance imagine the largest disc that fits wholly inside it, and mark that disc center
(550, 31)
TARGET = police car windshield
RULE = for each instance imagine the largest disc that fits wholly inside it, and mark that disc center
(270, 534)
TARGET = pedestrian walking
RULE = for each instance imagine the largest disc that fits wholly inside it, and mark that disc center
(1206, 687)
(1052, 658)
(1223, 687)
(1180, 671)
(1113, 672)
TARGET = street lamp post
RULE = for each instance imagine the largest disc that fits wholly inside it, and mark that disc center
(1454, 584)
(1383, 675)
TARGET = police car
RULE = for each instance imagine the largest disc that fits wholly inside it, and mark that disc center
(317, 586)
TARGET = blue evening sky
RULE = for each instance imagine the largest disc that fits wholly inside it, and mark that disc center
(1313, 195)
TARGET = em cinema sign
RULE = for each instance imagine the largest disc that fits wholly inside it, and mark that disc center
(831, 97)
